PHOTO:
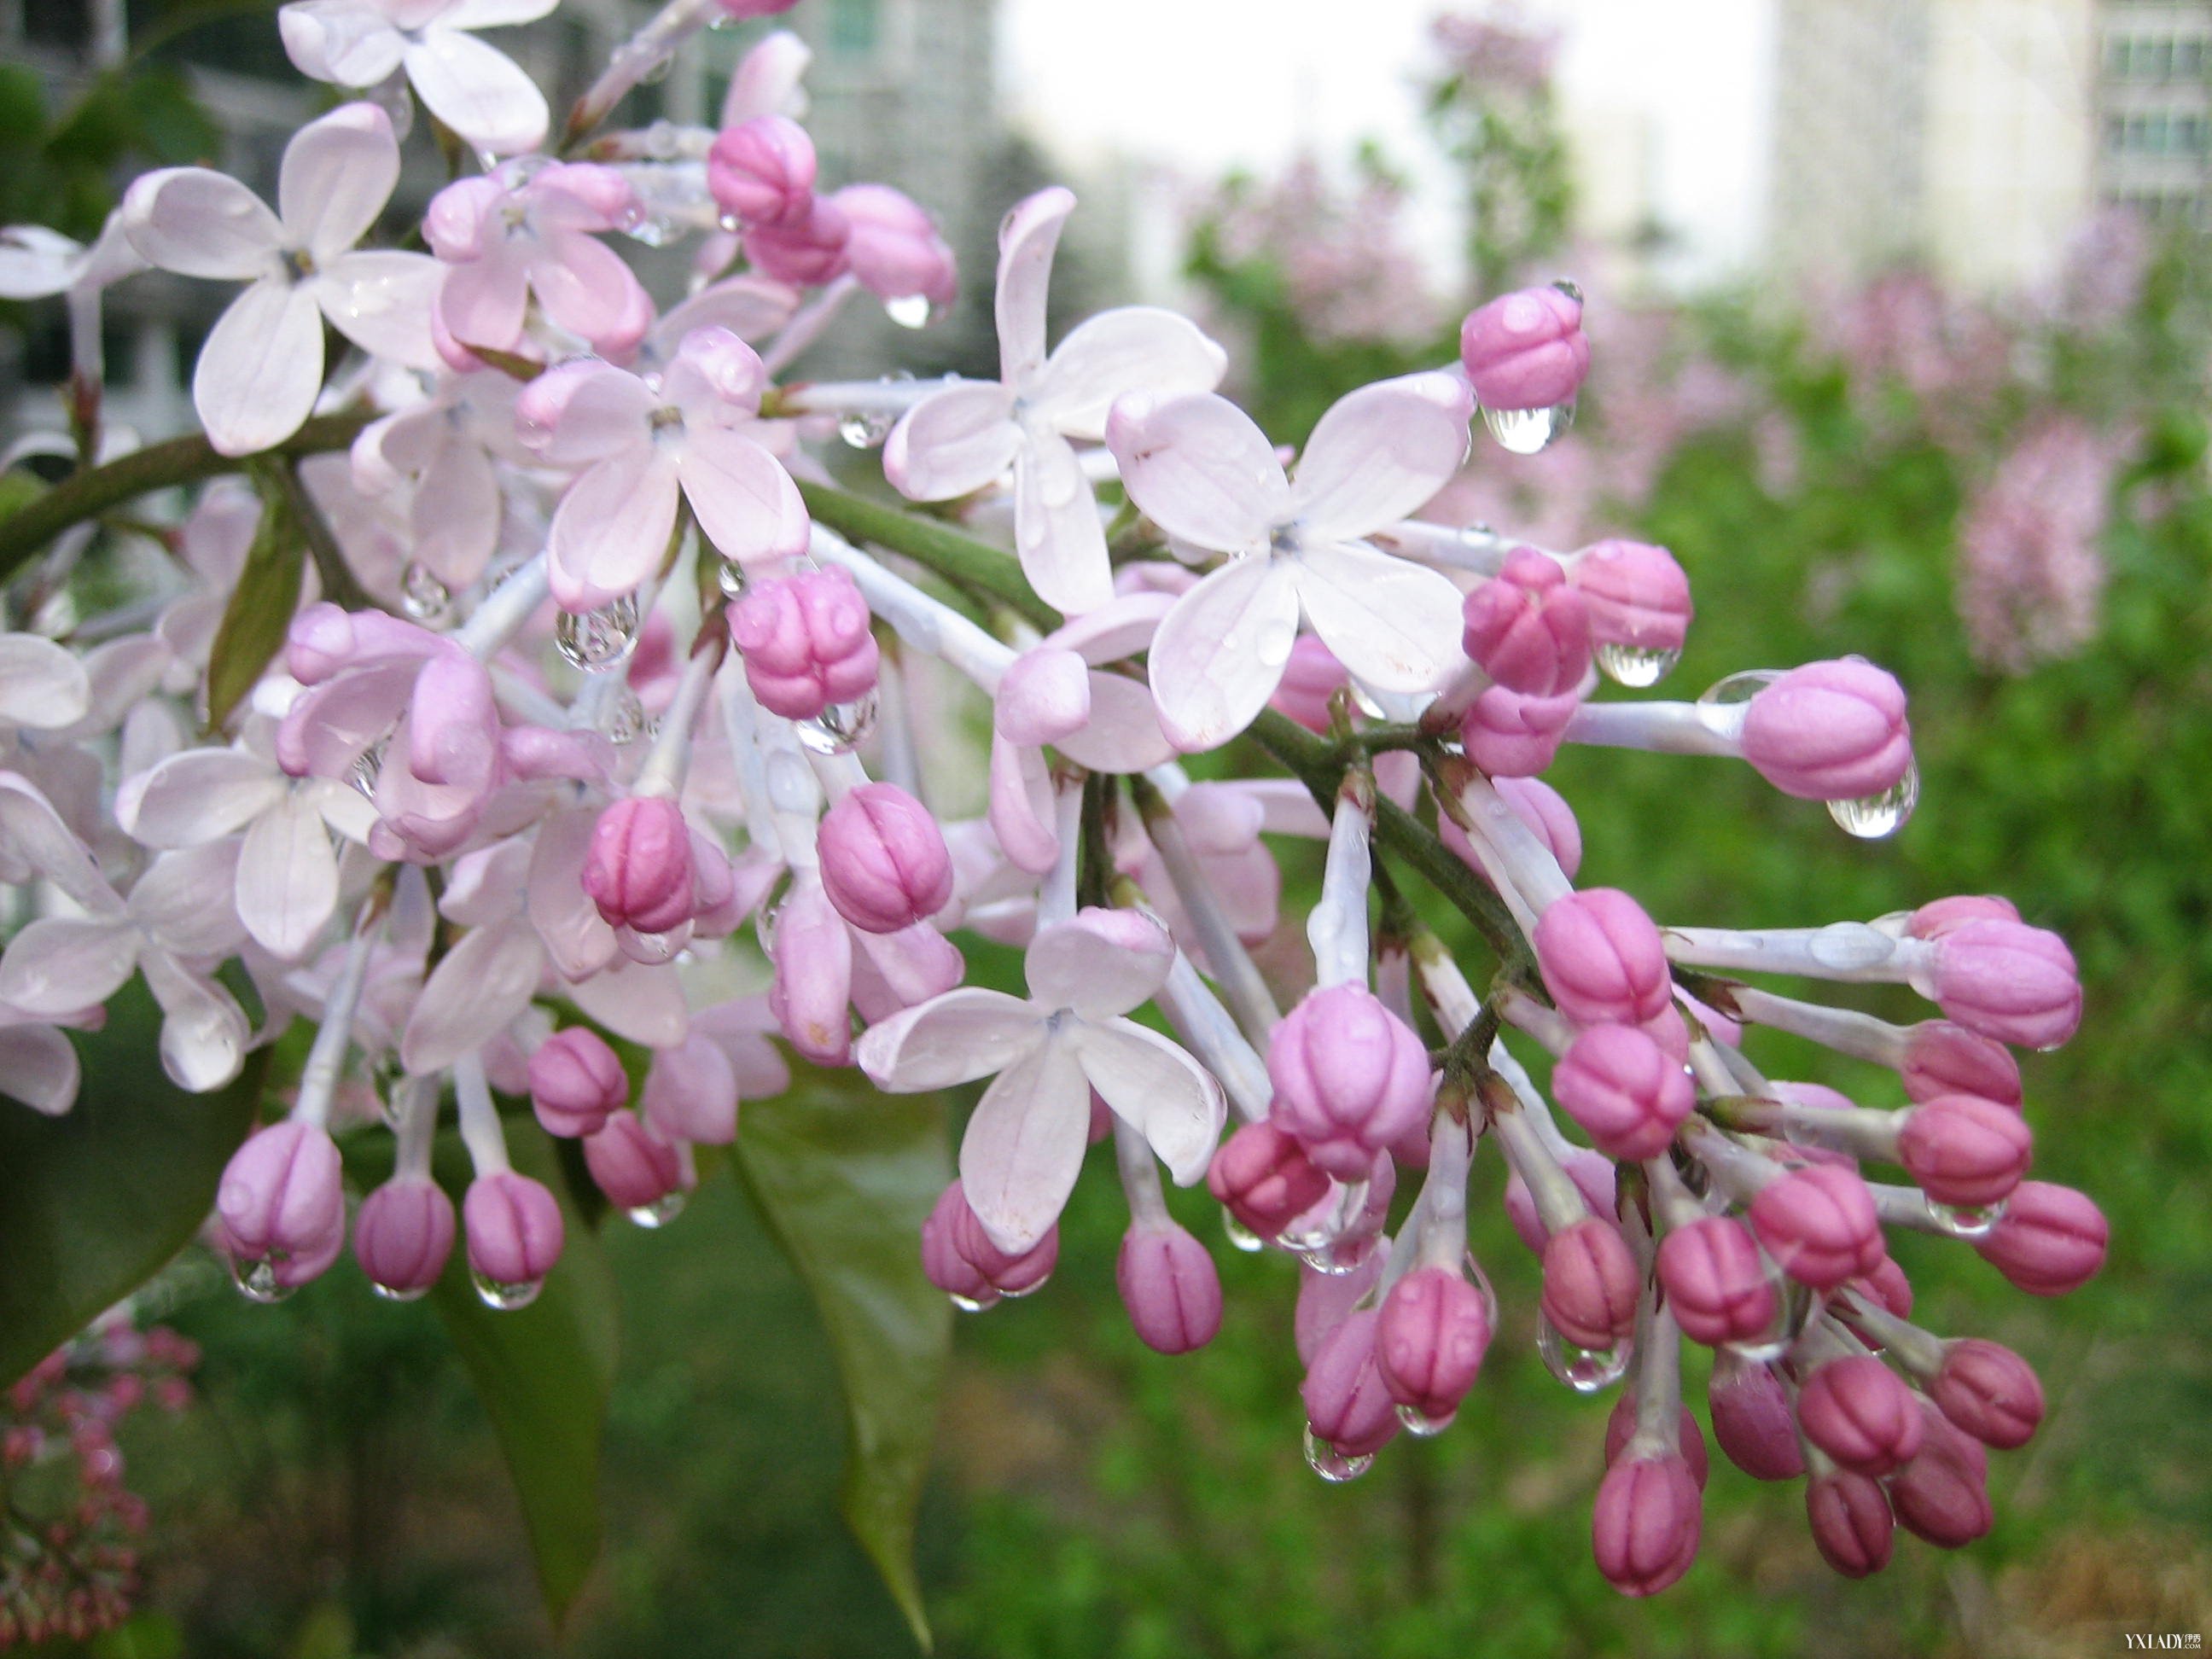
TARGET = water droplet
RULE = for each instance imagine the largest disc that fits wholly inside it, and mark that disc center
(1635, 666)
(1342, 1257)
(1240, 1236)
(367, 766)
(400, 1293)
(1871, 817)
(1418, 1423)
(600, 638)
(1568, 286)
(662, 1211)
(624, 721)
(653, 949)
(1012, 1295)
(1586, 1371)
(1797, 1305)
(731, 579)
(975, 1305)
(256, 1280)
(1332, 1465)
(1967, 1221)
(764, 927)
(865, 429)
(422, 596)
(1525, 431)
(908, 310)
(729, 224)
(839, 728)
(1365, 701)
(505, 1298)
(1741, 687)
(654, 229)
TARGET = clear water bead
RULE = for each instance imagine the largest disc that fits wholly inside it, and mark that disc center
(367, 766)
(625, 722)
(909, 310)
(865, 429)
(729, 577)
(1240, 1236)
(1426, 1427)
(1586, 1371)
(1332, 1465)
(973, 1304)
(422, 596)
(505, 1298)
(400, 1293)
(1636, 666)
(1740, 687)
(1526, 431)
(1967, 1221)
(1872, 817)
(598, 639)
(840, 727)
(256, 1280)
(662, 1211)
(1568, 286)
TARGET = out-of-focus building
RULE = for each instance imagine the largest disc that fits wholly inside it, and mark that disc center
(2154, 109)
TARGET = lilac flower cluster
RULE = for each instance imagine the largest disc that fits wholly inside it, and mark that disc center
(601, 700)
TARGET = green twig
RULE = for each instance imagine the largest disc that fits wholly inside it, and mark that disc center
(962, 559)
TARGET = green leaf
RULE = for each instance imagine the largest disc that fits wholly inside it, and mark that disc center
(845, 1177)
(261, 608)
(100, 1198)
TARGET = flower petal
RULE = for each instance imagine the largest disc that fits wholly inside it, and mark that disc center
(1101, 962)
(1221, 652)
(1380, 452)
(1123, 734)
(1057, 531)
(746, 503)
(35, 842)
(611, 528)
(1134, 348)
(200, 223)
(381, 301)
(204, 1031)
(456, 515)
(1393, 624)
(1156, 1088)
(1027, 239)
(40, 1067)
(349, 43)
(60, 965)
(638, 1002)
(1199, 469)
(954, 1038)
(337, 174)
(42, 685)
(261, 367)
(187, 900)
(476, 90)
(494, 14)
(1021, 805)
(1024, 1147)
(952, 442)
(482, 983)
(288, 877)
(575, 934)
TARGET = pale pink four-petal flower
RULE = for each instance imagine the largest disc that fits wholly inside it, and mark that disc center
(476, 90)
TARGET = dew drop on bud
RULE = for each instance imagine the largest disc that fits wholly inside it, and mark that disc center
(729, 577)
(658, 1213)
(838, 728)
(908, 310)
(1967, 1221)
(1740, 687)
(865, 429)
(973, 1304)
(624, 721)
(1526, 431)
(422, 596)
(1568, 286)
(600, 638)
(1426, 1427)
(256, 1280)
(1583, 1369)
(398, 1292)
(1332, 1465)
(367, 766)
(1636, 666)
(1242, 1237)
(505, 1298)
(1871, 817)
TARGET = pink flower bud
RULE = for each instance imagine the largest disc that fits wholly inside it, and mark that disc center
(762, 171)
(603, 192)
(1539, 807)
(404, 1234)
(1942, 1495)
(1593, 1176)
(812, 994)
(942, 1264)
(1689, 1439)
(575, 1082)
(1590, 1284)
(1602, 959)
(514, 1228)
(2010, 981)
(638, 871)
(281, 1201)
(806, 642)
(634, 1167)
(1635, 594)
(1007, 1274)
(807, 250)
(2052, 1239)
(742, 11)
(1990, 1392)
(1934, 920)
(1310, 678)
(1345, 1402)
(1715, 1282)
(1645, 1529)
(1525, 350)
(1887, 1286)
(1852, 1527)
(1625, 1092)
(894, 247)
(1350, 1078)
(1511, 736)
(1944, 1058)
(1526, 629)
(1324, 1299)
(1858, 1411)
(1819, 1224)
(1830, 731)
(1430, 1338)
(1170, 1287)
(1966, 1152)
(1262, 1176)
(884, 859)
(690, 1093)
(1753, 1421)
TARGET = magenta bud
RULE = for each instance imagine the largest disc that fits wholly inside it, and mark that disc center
(884, 864)
(1942, 1495)
(1819, 1224)
(1325, 1299)
(1430, 1338)
(1345, 1402)
(762, 171)
(2008, 980)
(281, 1201)
(1590, 1284)
(1944, 1058)
(1753, 1421)
(1526, 629)
(1944, 915)
(634, 1167)
(1006, 1275)
(1887, 1286)
(575, 1083)
(1860, 1412)
(1852, 1527)
(1593, 1175)
(942, 1264)
(894, 247)
(1990, 1392)
(1350, 1078)
(1310, 678)
(1715, 1282)
(1627, 1092)
(1645, 1530)
(1966, 1152)
(1168, 1285)
(1830, 731)
(514, 1228)
(807, 642)
(1689, 1439)
(807, 250)
(1526, 350)
(403, 1235)
(1635, 594)
(1262, 1176)
(690, 1093)
(638, 871)
(2051, 1239)
(1602, 959)
(1511, 736)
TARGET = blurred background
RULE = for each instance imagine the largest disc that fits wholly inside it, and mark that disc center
(1903, 324)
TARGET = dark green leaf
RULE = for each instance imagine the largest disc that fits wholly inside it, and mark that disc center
(845, 1176)
(260, 610)
(101, 1197)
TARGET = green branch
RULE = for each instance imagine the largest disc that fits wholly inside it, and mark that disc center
(976, 565)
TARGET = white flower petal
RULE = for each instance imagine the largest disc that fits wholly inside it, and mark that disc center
(1393, 624)
(186, 901)
(381, 301)
(955, 1038)
(1027, 239)
(35, 842)
(746, 503)
(1024, 1146)
(575, 932)
(337, 174)
(349, 43)
(639, 1003)
(1101, 962)
(1134, 348)
(200, 223)
(611, 528)
(1021, 805)
(952, 442)
(35, 262)
(1124, 732)
(1199, 469)
(494, 14)
(482, 983)
(261, 367)
(1057, 531)
(288, 877)
(476, 90)
(42, 685)
(39, 1066)
(204, 1033)
(62, 965)
(1221, 653)
(1380, 454)
(1156, 1088)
